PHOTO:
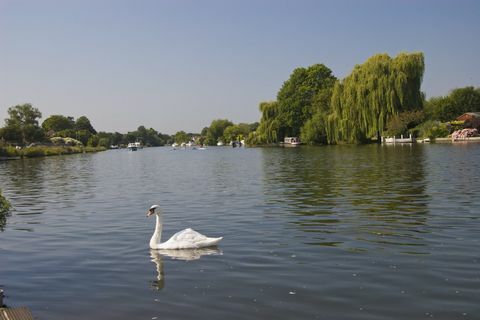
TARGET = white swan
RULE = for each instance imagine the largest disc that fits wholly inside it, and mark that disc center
(185, 239)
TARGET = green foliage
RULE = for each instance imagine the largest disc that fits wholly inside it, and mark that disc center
(216, 130)
(297, 96)
(313, 131)
(236, 132)
(432, 129)
(9, 151)
(181, 137)
(83, 124)
(58, 123)
(22, 125)
(401, 123)
(374, 92)
(458, 102)
(269, 127)
(92, 141)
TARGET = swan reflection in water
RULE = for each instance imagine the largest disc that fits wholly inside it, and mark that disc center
(183, 254)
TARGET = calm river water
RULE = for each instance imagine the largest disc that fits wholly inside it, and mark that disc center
(340, 232)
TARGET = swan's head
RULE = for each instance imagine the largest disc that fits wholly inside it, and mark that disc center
(152, 210)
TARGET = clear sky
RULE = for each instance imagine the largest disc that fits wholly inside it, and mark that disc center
(179, 64)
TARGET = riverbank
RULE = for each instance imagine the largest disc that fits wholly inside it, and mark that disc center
(12, 153)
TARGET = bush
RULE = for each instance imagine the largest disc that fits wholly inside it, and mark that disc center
(432, 129)
(9, 151)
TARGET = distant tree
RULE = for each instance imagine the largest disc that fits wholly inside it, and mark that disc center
(58, 123)
(236, 132)
(83, 123)
(83, 136)
(269, 127)
(181, 137)
(215, 131)
(22, 124)
(458, 102)
(93, 141)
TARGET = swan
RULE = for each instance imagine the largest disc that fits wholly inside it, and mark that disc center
(185, 239)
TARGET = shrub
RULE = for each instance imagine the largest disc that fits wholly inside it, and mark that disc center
(432, 129)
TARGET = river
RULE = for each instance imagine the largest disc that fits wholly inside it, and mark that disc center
(335, 232)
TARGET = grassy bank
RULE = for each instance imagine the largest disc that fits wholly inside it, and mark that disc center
(44, 151)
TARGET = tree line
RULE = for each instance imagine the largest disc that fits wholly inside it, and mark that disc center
(379, 97)
(22, 128)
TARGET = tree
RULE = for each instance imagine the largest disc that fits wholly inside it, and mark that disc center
(215, 131)
(269, 127)
(236, 132)
(403, 122)
(458, 102)
(297, 95)
(58, 123)
(83, 123)
(181, 137)
(374, 92)
(22, 124)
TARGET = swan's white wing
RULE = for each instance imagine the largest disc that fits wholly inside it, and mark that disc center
(187, 239)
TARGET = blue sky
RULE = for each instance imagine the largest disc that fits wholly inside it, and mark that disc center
(178, 64)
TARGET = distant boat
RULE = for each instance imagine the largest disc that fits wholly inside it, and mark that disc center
(219, 143)
(291, 141)
(114, 146)
(174, 145)
(393, 140)
(132, 146)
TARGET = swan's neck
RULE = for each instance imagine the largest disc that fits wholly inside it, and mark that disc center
(157, 235)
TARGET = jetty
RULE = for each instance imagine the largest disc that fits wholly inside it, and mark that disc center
(20, 313)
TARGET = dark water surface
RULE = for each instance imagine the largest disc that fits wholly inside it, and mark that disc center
(345, 232)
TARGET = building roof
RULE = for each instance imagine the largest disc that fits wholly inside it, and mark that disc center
(472, 114)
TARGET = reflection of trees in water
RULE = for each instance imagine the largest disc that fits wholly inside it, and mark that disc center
(3, 221)
(355, 194)
(38, 182)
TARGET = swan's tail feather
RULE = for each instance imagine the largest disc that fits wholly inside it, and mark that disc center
(209, 242)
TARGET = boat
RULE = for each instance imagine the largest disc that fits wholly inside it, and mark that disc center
(291, 141)
(219, 143)
(393, 140)
(132, 146)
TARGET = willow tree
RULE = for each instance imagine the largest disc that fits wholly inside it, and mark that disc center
(375, 91)
(268, 129)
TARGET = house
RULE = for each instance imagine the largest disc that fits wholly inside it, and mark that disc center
(469, 116)
(470, 120)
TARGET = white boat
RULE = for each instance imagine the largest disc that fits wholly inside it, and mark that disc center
(291, 141)
(219, 143)
(394, 140)
(132, 146)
